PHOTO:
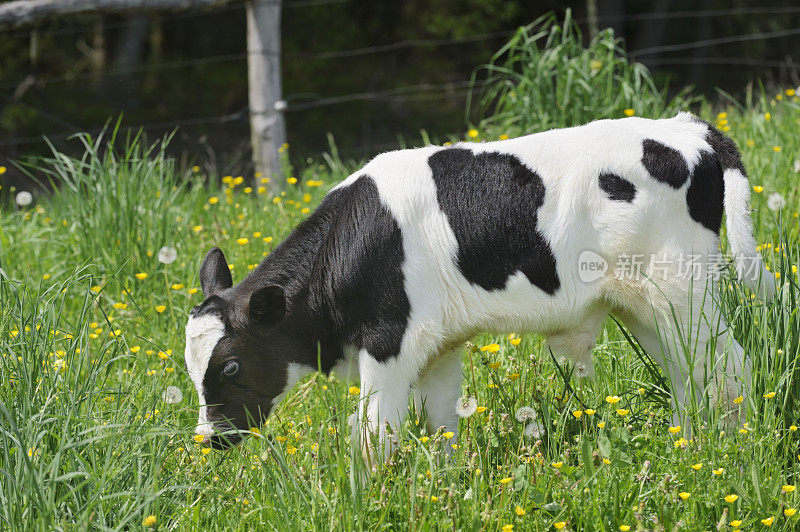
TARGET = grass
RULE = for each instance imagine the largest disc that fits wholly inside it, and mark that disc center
(88, 349)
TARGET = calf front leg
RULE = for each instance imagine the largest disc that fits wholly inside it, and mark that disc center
(437, 392)
(383, 405)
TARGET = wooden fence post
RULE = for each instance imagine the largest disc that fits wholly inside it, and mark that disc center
(267, 129)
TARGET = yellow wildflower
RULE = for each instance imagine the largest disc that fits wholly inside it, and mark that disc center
(674, 430)
(623, 411)
(242, 241)
(577, 413)
(789, 488)
(768, 521)
(213, 200)
(789, 512)
(612, 399)
(141, 276)
(292, 180)
(629, 112)
(519, 511)
(506, 480)
(472, 133)
(684, 495)
(769, 395)
(557, 465)
(161, 308)
(731, 498)
(353, 390)
(148, 521)
(491, 348)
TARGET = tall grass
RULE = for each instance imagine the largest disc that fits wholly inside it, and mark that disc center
(546, 77)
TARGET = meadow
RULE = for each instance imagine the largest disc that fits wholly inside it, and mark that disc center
(97, 413)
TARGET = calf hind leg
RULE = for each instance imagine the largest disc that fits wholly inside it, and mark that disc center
(438, 390)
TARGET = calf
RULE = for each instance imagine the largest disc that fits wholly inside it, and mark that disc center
(424, 248)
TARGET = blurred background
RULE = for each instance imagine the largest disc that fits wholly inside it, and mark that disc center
(373, 74)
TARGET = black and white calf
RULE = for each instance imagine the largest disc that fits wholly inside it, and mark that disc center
(423, 248)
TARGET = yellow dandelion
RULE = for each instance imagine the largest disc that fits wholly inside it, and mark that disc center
(508, 528)
(731, 498)
(718, 471)
(354, 390)
(769, 395)
(141, 276)
(242, 241)
(177, 286)
(503, 137)
(767, 116)
(681, 442)
(515, 341)
(472, 133)
(736, 522)
(448, 435)
(149, 521)
(491, 348)
(789, 512)
(789, 488)
(590, 411)
(292, 180)
(601, 424)
(738, 400)
(577, 413)
(789, 92)
(629, 112)
(198, 438)
(519, 511)
(674, 430)
(776, 149)
(612, 399)
(480, 409)
(506, 480)
(434, 498)
(557, 465)
(624, 528)
(559, 525)
(623, 411)
(684, 495)
(758, 189)
(161, 308)
(213, 200)
(768, 521)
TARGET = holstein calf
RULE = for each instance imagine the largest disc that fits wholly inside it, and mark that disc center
(424, 248)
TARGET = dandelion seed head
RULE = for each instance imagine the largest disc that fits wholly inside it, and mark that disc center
(466, 406)
(167, 255)
(173, 395)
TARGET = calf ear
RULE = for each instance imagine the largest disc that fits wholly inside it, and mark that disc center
(268, 304)
(215, 276)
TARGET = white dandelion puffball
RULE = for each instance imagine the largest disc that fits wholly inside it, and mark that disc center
(173, 395)
(797, 166)
(466, 406)
(534, 431)
(776, 202)
(526, 413)
(167, 255)
(24, 198)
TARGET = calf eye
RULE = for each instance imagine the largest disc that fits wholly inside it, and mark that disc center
(231, 369)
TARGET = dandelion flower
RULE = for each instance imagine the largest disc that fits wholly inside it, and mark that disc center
(731, 498)
(242, 241)
(590, 411)
(789, 488)
(167, 255)
(173, 395)
(519, 510)
(141, 276)
(629, 112)
(434, 498)
(623, 411)
(448, 435)
(491, 348)
(789, 512)
(354, 390)
(769, 395)
(697, 467)
(736, 522)
(557, 465)
(776, 202)
(624, 528)
(472, 133)
(738, 400)
(24, 198)
(508, 528)
(684, 495)
(601, 424)
(718, 471)
(526, 413)
(577, 413)
(515, 341)
(466, 406)
(758, 189)
(506, 480)
(768, 521)
(559, 525)
(534, 431)
(674, 430)
(612, 399)
(149, 521)
(161, 308)
(2, 170)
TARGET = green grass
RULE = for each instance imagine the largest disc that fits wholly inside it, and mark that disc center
(88, 348)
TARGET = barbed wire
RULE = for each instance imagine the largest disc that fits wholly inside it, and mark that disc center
(714, 42)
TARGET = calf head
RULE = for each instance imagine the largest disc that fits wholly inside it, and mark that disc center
(240, 349)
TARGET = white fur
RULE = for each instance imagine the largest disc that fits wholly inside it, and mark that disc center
(576, 216)
(202, 335)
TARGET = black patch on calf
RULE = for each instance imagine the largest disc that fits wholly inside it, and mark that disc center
(665, 164)
(357, 280)
(617, 188)
(725, 148)
(491, 201)
(705, 196)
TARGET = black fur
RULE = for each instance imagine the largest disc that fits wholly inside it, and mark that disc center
(491, 201)
(725, 148)
(617, 188)
(706, 194)
(336, 280)
(214, 273)
(665, 164)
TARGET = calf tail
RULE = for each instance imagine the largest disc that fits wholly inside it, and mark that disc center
(749, 265)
